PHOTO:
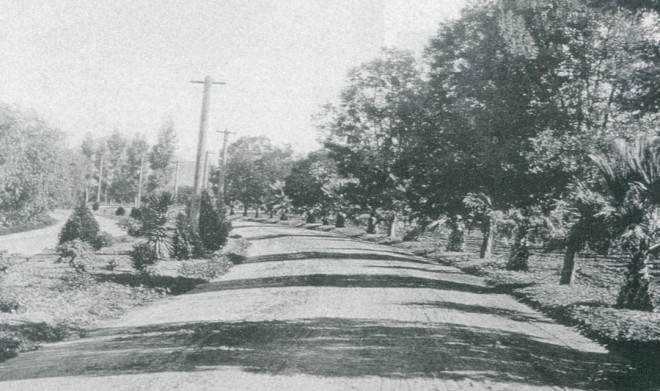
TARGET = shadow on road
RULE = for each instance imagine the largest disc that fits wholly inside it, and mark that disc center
(333, 347)
(344, 281)
(373, 255)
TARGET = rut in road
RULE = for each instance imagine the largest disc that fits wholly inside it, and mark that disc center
(312, 310)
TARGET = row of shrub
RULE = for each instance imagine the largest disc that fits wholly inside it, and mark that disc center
(170, 235)
(167, 234)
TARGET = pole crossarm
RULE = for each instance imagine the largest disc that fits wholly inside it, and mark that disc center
(202, 82)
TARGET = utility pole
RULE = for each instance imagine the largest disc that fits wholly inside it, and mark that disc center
(176, 179)
(223, 169)
(138, 202)
(98, 192)
(206, 169)
(201, 149)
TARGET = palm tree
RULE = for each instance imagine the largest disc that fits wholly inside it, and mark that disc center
(631, 178)
(487, 217)
(589, 218)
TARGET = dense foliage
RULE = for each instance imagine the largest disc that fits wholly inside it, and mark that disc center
(254, 164)
(37, 171)
(497, 123)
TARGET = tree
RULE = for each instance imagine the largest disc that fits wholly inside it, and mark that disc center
(369, 130)
(162, 157)
(304, 184)
(485, 217)
(81, 225)
(588, 221)
(37, 171)
(116, 149)
(631, 178)
(279, 202)
(213, 229)
(253, 164)
(125, 185)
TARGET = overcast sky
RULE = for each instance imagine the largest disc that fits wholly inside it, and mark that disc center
(95, 66)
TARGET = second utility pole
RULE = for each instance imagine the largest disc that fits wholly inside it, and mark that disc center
(223, 169)
(201, 149)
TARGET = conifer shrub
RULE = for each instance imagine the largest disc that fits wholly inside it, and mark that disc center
(103, 239)
(77, 253)
(213, 227)
(136, 213)
(120, 211)
(80, 225)
(186, 243)
(143, 255)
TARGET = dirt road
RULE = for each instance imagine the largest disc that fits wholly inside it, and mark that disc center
(35, 242)
(313, 311)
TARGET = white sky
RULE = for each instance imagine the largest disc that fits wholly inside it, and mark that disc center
(97, 65)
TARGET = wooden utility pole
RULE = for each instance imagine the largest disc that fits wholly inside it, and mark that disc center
(176, 180)
(138, 202)
(206, 169)
(98, 192)
(223, 169)
(201, 149)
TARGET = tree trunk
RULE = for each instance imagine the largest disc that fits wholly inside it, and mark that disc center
(231, 209)
(391, 227)
(340, 220)
(311, 219)
(371, 225)
(635, 293)
(457, 237)
(519, 257)
(486, 250)
(256, 212)
(568, 268)
(324, 218)
(245, 209)
(271, 213)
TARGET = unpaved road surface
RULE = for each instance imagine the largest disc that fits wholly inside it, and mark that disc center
(34, 242)
(312, 311)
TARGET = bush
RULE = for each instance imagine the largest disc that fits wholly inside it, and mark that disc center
(206, 269)
(213, 227)
(186, 242)
(80, 225)
(143, 255)
(103, 239)
(136, 213)
(72, 280)
(4, 262)
(76, 253)
(8, 304)
(340, 222)
(132, 227)
(120, 211)
(95, 206)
